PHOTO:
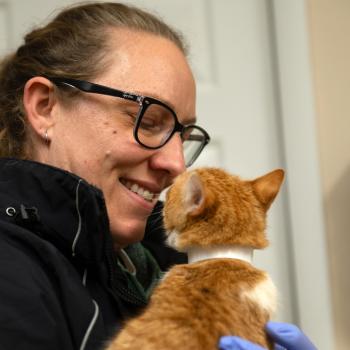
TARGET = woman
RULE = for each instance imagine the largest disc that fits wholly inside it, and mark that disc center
(89, 137)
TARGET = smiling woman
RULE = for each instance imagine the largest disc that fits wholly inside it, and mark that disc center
(97, 113)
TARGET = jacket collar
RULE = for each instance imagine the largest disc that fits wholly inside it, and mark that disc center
(57, 205)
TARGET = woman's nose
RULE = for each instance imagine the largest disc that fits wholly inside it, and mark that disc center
(170, 157)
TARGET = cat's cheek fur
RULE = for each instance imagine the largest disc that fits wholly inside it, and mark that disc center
(264, 294)
(172, 239)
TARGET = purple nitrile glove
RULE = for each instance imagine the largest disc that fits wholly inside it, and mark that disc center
(288, 336)
(237, 343)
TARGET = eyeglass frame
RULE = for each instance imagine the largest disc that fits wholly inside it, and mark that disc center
(143, 101)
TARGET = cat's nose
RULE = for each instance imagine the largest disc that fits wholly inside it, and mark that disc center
(170, 157)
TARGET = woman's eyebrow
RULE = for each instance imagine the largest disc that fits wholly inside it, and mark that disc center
(187, 121)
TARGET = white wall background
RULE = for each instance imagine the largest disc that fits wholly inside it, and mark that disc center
(251, 61)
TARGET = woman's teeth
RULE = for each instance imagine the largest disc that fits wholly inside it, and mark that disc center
(145, 194)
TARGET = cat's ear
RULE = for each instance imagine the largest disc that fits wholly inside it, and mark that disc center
(195, 197)
(266, 187)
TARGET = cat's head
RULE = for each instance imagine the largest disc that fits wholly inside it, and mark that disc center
(208, 206)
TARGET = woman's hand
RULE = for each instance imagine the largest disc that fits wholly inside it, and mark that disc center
(286, 337)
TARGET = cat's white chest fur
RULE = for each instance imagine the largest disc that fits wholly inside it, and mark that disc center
(264, 294)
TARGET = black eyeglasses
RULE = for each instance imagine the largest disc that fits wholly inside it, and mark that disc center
(155, 122)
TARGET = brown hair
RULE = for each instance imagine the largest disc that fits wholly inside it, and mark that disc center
(72, 45)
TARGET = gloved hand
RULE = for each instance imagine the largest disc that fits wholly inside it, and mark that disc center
(285, 335)
(288, 336)
(237, 343)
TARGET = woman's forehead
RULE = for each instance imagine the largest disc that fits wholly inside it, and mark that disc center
(150, 65)
(148, 58)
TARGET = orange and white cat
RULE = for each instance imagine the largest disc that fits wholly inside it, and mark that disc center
(218, 219)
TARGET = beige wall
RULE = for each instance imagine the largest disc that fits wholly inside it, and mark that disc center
(329, 22)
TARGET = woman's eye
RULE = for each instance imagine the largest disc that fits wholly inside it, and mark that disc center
(150, 124)
(131, 114)
(148, 120)
(128, 108)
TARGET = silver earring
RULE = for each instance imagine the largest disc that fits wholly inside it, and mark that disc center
(46, 137)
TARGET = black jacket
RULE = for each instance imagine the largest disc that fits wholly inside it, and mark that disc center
(61, 284)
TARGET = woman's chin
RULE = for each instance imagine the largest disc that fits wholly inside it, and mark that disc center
(130, 235)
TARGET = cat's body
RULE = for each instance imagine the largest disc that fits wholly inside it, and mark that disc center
(210, 213)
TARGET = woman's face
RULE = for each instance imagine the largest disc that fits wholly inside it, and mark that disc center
(92, 138)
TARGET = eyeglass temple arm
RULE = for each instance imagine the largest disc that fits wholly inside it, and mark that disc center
(200, 138)
(86, 86)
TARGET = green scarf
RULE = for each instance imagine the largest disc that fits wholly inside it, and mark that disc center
(141, 270)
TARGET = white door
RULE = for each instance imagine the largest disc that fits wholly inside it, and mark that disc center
(234, 59)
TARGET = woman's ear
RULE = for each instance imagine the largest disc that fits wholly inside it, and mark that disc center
(38, 102)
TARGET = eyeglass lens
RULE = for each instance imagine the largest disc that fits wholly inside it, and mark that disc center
(193, 143)
(157, 125)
